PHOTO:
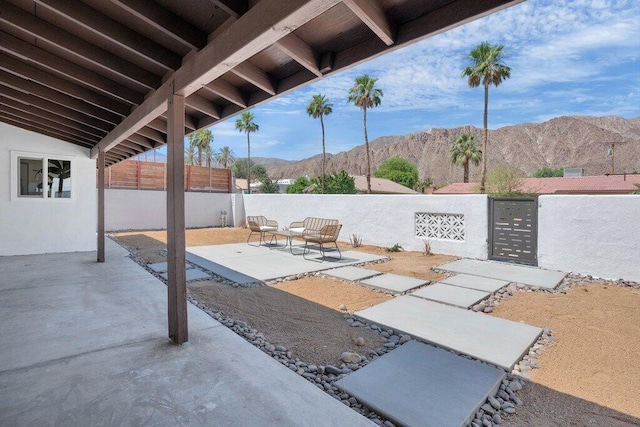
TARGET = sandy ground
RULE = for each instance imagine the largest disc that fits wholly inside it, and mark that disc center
(590, 375)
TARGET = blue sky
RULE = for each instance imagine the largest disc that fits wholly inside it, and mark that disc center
(567, 58)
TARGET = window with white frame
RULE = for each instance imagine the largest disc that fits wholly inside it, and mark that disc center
(42, 177)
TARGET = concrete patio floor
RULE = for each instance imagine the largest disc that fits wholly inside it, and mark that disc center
(86, 344)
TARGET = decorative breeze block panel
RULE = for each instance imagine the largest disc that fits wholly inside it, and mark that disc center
(440, 226)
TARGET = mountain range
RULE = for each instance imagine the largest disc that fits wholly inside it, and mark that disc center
(567, 141)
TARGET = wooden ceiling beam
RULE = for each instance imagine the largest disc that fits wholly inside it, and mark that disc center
(124, 150)
(163, 21)
(91, 20)
(255, 76)
(264, 24)
(59, 98)
(69, 70)
(227, 91)
(33, 128)
(233, 8)
(53, 131)
(300, 52)
(53, 108)
(203, 105)
(141, 140)
(18, 114)
(370, 12)
(49, 34)
(153, 135)
(132, 146)
(49, 80)
(30, 109)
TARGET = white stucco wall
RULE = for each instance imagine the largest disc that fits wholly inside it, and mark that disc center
(596, 235)
(30, 226)
(382, 220)
(144, 210)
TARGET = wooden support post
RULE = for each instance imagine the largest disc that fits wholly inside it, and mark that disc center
(177, 280)
(101, 206)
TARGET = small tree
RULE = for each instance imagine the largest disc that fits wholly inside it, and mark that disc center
(464, 151)
(637, 185)
(300, 184)
(547, 172)
(505, 182)
(398, 170)
(421, 185)
(340, 183)
(241, 169)
(269, 186)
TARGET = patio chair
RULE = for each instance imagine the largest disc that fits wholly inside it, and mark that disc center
(261, 225)
(327, 234)
(310, 224)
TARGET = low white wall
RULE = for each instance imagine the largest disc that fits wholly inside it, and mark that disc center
(382, 220)
(144, 209)
(39, 225)
(596, 235)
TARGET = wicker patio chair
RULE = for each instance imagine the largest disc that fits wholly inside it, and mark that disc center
(327, 234)
(311, 224)
(261, 225)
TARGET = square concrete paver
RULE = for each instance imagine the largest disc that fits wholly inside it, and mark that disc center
(161, 267)
(352, 273)
(420, 385)
(452, 295)
(526, 275)
(497, 341)
(394, 283)
(475, 282)
(193, 274)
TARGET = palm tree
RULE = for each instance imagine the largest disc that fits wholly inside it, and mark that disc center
(190, 155)
(365, 95)
(201, 141)
(463, 151)
(318, 108)
(245, 124)
(225, 157)
(487, 68)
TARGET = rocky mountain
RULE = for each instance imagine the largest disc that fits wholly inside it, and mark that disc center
(568, 141)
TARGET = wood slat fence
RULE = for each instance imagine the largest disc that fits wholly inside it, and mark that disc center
(139, 175)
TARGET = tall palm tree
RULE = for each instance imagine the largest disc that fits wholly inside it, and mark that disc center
(486, 68)
(201, 141)
(318, 108)
(190, 157)
(365, 95)
(225, 157)
(246, 124)
(463, 151)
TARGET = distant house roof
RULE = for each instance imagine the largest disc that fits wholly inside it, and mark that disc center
(380, 186)
(603, 184)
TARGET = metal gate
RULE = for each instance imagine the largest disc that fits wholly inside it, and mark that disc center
(513, 230)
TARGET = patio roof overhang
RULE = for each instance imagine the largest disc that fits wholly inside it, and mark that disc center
(99, 74)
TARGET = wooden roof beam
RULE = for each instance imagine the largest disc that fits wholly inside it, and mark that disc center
(300, 52)
(30, 109)
(370, 12)
(48, 34)
(132, 146)
(153, 135)
(48, 127)
(53, 108)
(49, 80)
(59, 98)
(264, 24)
(233, 8)
(69, 70)
(33, 128)
(164, 22)
(226, 91)
(112, 31)
(142, 140)
(255, 76)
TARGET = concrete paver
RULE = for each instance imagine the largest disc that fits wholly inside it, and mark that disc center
(161, 267)
(526, 275)
(491, 339)
(256, 264)
(452, 295)
(95, 352)
(394, 283)
(352, 273)
(192, 274)
(418, 384)
(475, 282)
